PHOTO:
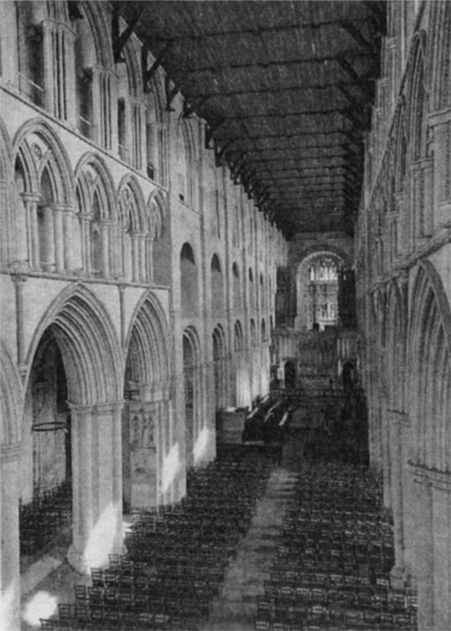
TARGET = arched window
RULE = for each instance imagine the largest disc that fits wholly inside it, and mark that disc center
(217, 286)
(253, 333)
(97, 205)
(85, 61)
(322, 292)
(132, 227)
(93, 73)
(219, 362)
(156, 134)
(186, 164)
(159, 241)
(189, 282)
(236, 283)
(192, 387)
(30, 52)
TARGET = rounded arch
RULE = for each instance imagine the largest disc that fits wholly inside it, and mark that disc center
(317, 308)
(148, 343)
(216, 263)
(238, 338)
(253, 332)
(217, 285)
(429, 364)
(11, 399)
(189, 289)
(236, 287)
(186, 152)
(131, 202)
(323, 248)
(263, 331)
(88, 343)
(192, 391)
(46, 154)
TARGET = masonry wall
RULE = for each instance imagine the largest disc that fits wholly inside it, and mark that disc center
(403, 256)
(120, 235)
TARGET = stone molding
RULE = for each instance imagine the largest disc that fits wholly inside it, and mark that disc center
(399, 417)
(431, 477)
(10, 452)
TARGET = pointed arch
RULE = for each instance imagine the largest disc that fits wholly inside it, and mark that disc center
(8, 213)
(157, 212)
(131, 201)
(89, 346)
(101, 180)
(148, 343)
(11, 399)
(50, 155)
(439, 66)
(417, 97)
(100, 32)
(429, 365)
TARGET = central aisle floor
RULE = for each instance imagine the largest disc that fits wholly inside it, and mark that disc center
(236, 608)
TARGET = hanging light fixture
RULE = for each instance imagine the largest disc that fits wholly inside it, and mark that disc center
(50, 426)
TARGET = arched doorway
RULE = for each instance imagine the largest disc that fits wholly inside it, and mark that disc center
(76, 365)
(46, 480)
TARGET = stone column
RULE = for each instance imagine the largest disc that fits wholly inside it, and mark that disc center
(441, 524)
(441, 125)
(104, 233)
(68, 219)
(149, 258)
(85, 220)
(10, 550)
(31, 209)
(142, 258)
(58, 238)
(96, 469)
(395, 420)
(424, 558)
(135, 257)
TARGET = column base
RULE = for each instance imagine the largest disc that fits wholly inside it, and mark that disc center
(78, 561)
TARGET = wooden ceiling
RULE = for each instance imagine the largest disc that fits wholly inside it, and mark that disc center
(286, 88)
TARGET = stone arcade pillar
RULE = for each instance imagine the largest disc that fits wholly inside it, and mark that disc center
(432, 569)
(423, 545)
(141, 443)
(97, 484)
(10, 552)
